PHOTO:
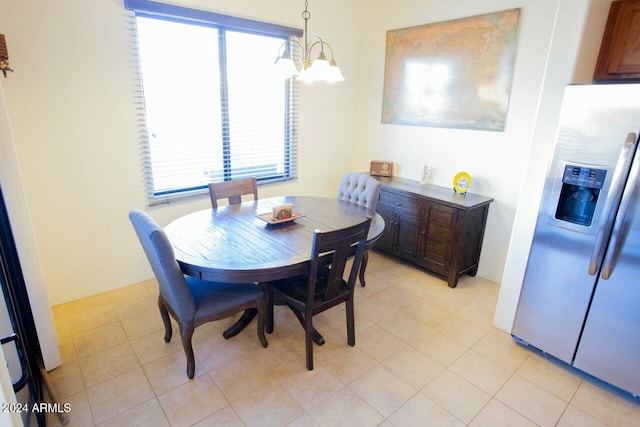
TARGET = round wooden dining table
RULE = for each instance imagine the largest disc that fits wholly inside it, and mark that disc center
(237, 244)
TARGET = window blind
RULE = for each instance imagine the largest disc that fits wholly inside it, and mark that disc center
(212, 106)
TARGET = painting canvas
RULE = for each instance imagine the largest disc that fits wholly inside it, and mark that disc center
(454, 74)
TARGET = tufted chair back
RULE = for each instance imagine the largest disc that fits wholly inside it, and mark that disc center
(360, 189)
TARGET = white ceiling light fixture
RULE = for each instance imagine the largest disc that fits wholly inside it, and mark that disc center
(308, 70)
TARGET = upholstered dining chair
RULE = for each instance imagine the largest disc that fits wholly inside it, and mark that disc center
(190, 301)
(232, 190)
(323, 287)
(363, 190)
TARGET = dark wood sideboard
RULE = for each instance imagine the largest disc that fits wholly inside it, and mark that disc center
(432, 226)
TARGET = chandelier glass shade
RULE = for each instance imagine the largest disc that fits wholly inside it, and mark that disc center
(294, 57)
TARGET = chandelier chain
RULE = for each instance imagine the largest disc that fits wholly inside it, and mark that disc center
(305, 13)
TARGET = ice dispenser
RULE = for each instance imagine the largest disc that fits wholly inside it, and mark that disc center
(579, 194)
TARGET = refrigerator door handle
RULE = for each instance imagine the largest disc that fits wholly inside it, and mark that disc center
(616, 234)
(611, 204)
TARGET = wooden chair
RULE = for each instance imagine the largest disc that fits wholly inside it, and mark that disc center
(324, 286)
(190, 301)
(232, 190)
(362, 190)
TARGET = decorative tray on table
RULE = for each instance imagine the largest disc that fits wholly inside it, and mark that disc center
(268, 217)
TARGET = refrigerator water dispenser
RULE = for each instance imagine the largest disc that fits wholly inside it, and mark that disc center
(579, 194)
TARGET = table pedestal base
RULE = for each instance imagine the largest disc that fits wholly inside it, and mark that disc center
(248, 316)
(242, 323)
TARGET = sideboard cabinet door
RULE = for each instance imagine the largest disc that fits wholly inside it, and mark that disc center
(401, 214)
(438, 228)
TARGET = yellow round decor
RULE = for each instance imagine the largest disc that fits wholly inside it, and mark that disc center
(462, 182)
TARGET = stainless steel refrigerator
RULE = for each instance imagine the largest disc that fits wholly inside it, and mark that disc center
(580, 299)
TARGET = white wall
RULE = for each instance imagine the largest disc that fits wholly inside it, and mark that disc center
(571, 14)
(510, 166)
(19, 214)
(7, 394)
(495, 160)
(71, 99)
(592, 33)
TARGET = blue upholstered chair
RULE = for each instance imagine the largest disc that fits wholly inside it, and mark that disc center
(363, 190)
(192, 302)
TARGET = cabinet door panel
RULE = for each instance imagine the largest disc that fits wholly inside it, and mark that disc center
(619, 57)
(408, 235)
(388, 238)
(437, 228)
(625, 57)
(402, 220)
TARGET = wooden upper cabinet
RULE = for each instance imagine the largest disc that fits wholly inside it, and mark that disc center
(619, 58)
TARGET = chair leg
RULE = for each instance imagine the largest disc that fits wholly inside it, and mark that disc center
(363, 266)
(269, 295)
(308, 339)
(186, 333)
(351, 330)
(168, 330)
(261, 304)
(317, 337)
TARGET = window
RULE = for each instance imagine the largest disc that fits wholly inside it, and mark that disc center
(215, 107)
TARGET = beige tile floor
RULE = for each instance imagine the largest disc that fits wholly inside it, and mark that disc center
(425, 355)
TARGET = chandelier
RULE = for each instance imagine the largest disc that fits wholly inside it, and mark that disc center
(307, 70)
